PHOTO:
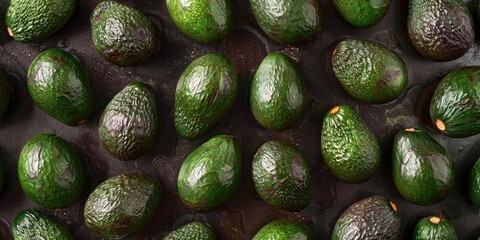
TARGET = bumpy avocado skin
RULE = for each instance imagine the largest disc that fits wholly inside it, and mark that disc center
(31, 224)
(428, 230)
(283, 229)
(474, 184)
(362, 13)
(4, 94)
(192, 231)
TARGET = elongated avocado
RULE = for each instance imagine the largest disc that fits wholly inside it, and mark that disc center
(349, 148)
(4, 94)
(371, 218)
(474, 184)
(31, 224)
(283, 229)
(434, 228)
(422, 169)
(211, 174)
(362, 13)
(455, 105)
(192, 231)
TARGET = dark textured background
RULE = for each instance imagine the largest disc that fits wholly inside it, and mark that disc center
(246, 46)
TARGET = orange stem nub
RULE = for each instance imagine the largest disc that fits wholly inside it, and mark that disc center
(393, 206)
(435, 220)
(440, 125)
(334, 110)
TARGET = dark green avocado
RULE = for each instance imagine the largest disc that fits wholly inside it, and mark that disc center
(440, 30)
(211, 174)
(474, 184)
(33, 225)
(207, 21)
(275, 160)
(122, 35)
(422, 169)
(349, 148)
(277, 96)
(60, 87)
(122, 205)
(4, 94)
(284, 229)
(192, 231)
(455, 105)
(50, 172)
(362, 13)
(33, 20)
(371, 218)
(434, 228)
(205, 93)
(290, 22)
(129, 123)
(369, 71)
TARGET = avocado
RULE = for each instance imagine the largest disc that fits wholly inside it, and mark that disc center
(276, 160)
(122, 35)
(372, 218)
(369, 71)
(205, 93)
(207, 21)
(129, 123)
(277, 95)
(349, 148)
(4, 94)
(455, 105)
(122, 205)
(211, 174)
(60, 87)
(290, 22)
(474, 184)
(50, 172)
(362, 13)
(283, 229)
(422, 169)
(192, 231)
(434, 228)
(33, 20)
(440, 30)
(31, 224)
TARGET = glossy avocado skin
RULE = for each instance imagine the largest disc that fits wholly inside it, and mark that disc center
(50, 172)
(211, 174)
(349, 148)
(277, 95)
(440, 30)
(362, 13)
(4, 94)
(371, 218)
(428, 230)
(276, 160)
(290, 22)
(31, 224)
(122, 35)
(129, 123)
(207, 21)
(122, 205)
(422, 169)
(192, 231)
(59, 86)
(474, 184)
(34, 20)
(205, 93)
(368, 71)
(283, 229)
(456, 103)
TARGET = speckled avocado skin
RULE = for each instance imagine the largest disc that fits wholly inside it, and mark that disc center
(31, 224)
(428, 229)
(192, 231)
(283, 229)
(362, 13)
(474, 184)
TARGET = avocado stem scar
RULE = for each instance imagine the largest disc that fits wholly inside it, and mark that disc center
(393, 206)
(334, 110)
(435, 220)
(440, 125)
(9, 30)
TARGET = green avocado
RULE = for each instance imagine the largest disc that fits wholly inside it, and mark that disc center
(205, 93)
(211, 174)
(434, 228)
(31, 224)
(372, 218)
(122, 205)
(277, 95)
(474, 184)
(349, 148)
(4, 94)
(440, 30)
(122, 35)
(50, 172)
(33, 20)
(455, 105)
(129, 123)
(60, 87)
(284, 229)
(192, 231)
(422, 169)
(362, 13)
(290, 22)
(207, 21)
(369, 71)
(276, 160)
